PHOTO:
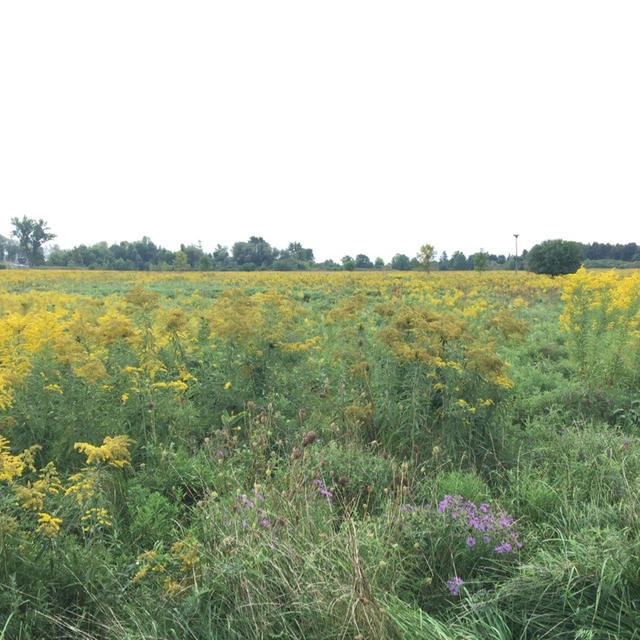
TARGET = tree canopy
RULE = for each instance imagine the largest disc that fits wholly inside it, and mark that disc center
(31, 235)
(555, 257)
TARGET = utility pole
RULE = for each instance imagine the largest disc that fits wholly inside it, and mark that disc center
(515, 235)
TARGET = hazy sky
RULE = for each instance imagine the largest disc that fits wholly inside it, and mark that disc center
(350, 126)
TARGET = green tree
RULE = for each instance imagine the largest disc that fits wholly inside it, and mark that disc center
(294, 257)
(348, 263)
(194, 253)
(180, 262)
(426, 254)
(8, 249)
(221, 258)
(300, 253)
(401, 262)
(31, 235)
(480, 260)
(363, 262)
(205, 263)
(459, 262)
(555, 257)
(257, 252)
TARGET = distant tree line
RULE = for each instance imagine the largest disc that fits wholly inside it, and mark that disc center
(256, 254)
(629, 252)
(25, 246)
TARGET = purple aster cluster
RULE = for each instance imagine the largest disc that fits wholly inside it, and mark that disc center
(322, 490)
(491, 527)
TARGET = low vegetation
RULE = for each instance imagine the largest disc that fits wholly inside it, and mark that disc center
(312, 455)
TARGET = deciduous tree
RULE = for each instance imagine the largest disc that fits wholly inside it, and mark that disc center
(555, 257)
(31, 235)
(426, 254)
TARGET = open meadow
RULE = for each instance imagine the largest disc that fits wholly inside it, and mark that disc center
(319, 455)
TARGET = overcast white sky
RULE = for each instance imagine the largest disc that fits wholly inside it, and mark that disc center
(350, 126)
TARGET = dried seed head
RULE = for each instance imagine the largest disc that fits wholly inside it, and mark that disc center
(309, 438)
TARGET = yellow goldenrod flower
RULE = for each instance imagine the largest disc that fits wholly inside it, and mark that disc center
(48, 525)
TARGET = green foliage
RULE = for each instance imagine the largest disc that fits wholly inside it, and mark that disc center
(256, 252)
(9, 249)
(180, 262)
(459, 262)
(610, 264)
(464, 483)
(348, 263)
(426, 254)
(356, 476)
(400, 262)
(480, 261)
(31, 235)
(555, 257)
(363, 262)
(152, 517)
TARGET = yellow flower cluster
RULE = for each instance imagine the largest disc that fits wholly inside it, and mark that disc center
(113, 450)
(80, 317)
(48, 525)
(33, 490)
(601, 316)
(12, 466)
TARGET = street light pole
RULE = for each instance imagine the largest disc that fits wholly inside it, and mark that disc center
(515, 235)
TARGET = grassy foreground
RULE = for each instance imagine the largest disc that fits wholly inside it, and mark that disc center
(346, 455)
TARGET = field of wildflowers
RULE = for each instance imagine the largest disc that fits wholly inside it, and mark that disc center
(311, 455)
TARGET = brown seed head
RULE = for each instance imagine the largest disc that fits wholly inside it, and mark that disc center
(309, 438)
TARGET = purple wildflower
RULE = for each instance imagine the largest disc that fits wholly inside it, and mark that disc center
(444, 503)
(322, 490)
(245, 501)
(482, 519)
(454, 585)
